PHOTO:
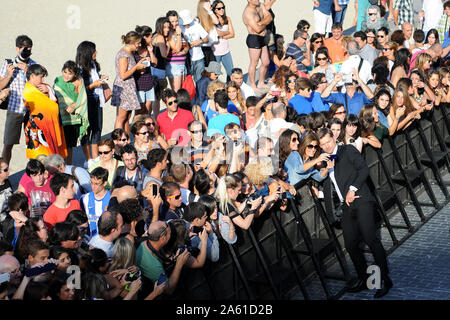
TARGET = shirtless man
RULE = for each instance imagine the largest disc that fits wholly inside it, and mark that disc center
(256, 17)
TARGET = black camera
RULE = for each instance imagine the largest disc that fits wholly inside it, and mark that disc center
(241, 197)
(132, 276)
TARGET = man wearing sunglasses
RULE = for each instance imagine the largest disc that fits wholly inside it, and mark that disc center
(294, 50)
(355, 61)
(173, 122)
(172, 207)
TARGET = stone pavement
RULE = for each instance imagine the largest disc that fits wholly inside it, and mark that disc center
(419, 268)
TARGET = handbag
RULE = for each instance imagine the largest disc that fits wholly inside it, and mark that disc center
(189, 85)
(4, 104)
(106, 92)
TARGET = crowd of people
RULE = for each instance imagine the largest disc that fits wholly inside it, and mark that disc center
(199, 158)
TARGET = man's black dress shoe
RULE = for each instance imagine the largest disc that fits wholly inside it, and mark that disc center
(359, 286)
(387, 285)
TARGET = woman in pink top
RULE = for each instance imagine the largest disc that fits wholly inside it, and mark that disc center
(225, 31)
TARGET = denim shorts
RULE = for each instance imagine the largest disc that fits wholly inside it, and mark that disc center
(146, 95)
(174, 70)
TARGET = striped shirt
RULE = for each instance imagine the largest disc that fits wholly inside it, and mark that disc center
(296, 53)
(17, 84)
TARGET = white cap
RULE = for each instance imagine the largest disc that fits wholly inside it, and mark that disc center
(186, 17)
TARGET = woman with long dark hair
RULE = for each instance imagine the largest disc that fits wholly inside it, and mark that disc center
(33, 229)
(316, 43)
(431, 38)
(93, 81)
(144, 79)
(400, 68)
(352, 132)
(225, 31)
(299, 159)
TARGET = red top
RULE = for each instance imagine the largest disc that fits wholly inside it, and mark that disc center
(42, 194)
(54, 214)
(177, 127)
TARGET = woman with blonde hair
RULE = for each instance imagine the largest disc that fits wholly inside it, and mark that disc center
(372, 132)
(209, 21)
(235, 96)
(124, 255)
(226, 194)
(124, 91)
(402, 101)
(209, 106)
(423, 62)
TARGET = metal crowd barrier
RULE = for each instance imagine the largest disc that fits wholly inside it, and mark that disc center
(281, 252)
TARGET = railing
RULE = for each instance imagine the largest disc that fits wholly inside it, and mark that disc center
(282, 251)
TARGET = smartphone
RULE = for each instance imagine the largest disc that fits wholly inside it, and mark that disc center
(162, 279)
(197, 230)
(275, 93)
(155, 190)
(39, 270)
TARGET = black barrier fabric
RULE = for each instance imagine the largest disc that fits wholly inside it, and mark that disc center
(265, 262)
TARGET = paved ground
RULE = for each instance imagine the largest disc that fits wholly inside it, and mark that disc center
(419, 268)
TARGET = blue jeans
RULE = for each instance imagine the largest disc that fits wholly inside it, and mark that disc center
(339, 16)
(197, 68)
(227, 62)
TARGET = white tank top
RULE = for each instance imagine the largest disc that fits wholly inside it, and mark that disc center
(223, 47)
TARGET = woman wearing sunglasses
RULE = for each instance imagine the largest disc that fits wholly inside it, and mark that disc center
(106, 159)
(299, 159)
(316, 43)
(382, 37)
(142, 141)
(120, 138)
(323, 64)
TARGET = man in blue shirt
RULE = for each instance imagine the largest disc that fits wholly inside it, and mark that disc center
(300, 102)
(319, 82)
(352, 100)
(224, 117)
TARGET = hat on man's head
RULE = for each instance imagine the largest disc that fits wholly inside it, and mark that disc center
(214, 67)
(186, 16)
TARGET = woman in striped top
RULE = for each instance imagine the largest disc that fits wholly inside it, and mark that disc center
(176, 57)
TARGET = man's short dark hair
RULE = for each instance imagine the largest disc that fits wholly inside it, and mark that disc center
(155, 156)
(35, 246)
(419, 35)
(168, 93)
(76, 217)
(316, 79)
(37, 70)
(100, 173)
(360, 34)
(237, 71)
(34, 167)
(18, 201)
(171, 13)
(300, 120)
(58, 181)
(194, 210)
(221, 98)
(315, 120)
(252, 101)
(168, 188)
(24, 41)
(107, 222)
(299, 33)
(446, 5)
(336, 25)
(322, 132)
(63, 231)
(128, 148)
(130, 210)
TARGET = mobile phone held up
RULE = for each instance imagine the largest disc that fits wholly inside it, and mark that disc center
(197, 230)
(155, 190)
(162, 279)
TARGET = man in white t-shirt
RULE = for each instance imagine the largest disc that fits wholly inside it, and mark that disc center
(278, 124)
(196, 35)
(238, 77)
(109, 229)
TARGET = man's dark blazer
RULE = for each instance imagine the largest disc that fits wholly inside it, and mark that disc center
(350, 169)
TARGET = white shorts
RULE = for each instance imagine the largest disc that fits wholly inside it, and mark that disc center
(322, 22)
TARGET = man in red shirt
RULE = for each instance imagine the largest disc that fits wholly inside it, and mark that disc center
(63, 187)
(173, 122)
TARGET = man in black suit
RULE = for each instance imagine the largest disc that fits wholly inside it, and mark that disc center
(358, 219)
